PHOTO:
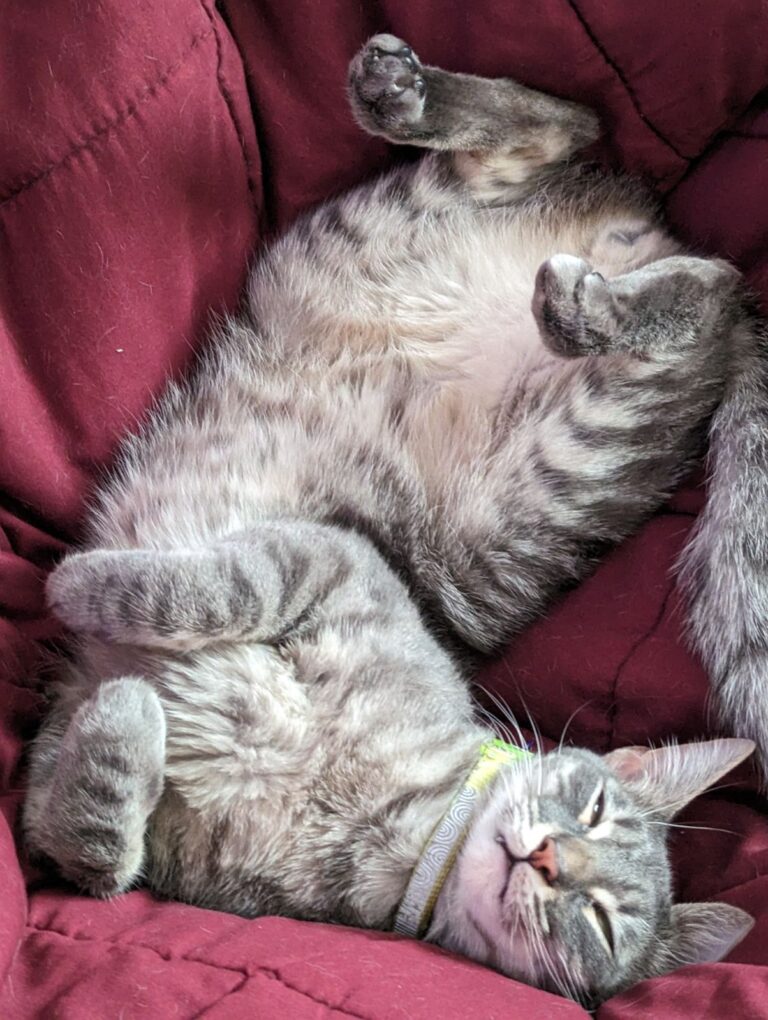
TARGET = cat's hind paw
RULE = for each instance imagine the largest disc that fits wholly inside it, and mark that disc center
(573, 307)
(387, 87)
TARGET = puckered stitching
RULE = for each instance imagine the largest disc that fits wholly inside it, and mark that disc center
(99, 131)
(613, 709)
(631, 94)
(229, 102)
(749, 135)
(247, 973)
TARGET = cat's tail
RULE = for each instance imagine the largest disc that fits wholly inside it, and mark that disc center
(725, 565)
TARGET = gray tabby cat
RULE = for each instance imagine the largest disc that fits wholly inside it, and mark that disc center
(447, 390)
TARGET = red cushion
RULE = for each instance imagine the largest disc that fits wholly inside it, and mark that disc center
(145, 149)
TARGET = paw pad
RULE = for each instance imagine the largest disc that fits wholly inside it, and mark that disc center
(387, 83)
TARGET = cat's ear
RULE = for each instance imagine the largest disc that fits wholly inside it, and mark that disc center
(706, 932)
(667, 778)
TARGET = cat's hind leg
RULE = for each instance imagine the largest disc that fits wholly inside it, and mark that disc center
(583, 453)
(93, 784)
(671, 309)
(501, 133)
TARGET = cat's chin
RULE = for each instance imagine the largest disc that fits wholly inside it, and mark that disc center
(524, 891)
(494, 914)
(484, 937)
(486, 925)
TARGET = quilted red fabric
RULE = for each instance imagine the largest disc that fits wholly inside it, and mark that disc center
(145, 149)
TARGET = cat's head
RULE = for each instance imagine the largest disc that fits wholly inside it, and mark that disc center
(564, 882)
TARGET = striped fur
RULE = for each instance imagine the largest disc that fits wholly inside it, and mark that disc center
(447, 392)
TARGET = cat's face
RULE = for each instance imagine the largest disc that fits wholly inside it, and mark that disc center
(564, 882)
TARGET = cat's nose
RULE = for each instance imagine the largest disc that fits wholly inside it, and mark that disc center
(544, 859)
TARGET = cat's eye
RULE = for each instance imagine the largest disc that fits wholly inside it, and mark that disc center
(596, 814)
(604, 923)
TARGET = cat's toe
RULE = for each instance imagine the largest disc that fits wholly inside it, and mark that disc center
(94, 855)
(387, 86)
(562, 284)
(102, 879)
(72, 591)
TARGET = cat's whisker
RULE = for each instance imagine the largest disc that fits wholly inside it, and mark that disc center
(539, 747)
(725, 786)
(699, 828)
(572, 991)
(496, 725)
(505, 713)
(557, 968)
(569, 720)
(539, 948)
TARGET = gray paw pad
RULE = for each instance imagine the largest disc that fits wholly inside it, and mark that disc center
(386, 77)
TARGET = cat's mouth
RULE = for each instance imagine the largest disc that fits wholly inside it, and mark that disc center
(519, 874)
(520, 895)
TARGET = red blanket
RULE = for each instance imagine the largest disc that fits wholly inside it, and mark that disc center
(146, 147)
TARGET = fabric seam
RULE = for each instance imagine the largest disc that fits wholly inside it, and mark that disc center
(269, 972)
(213, 1005)
(613, 709)
(631, 94)
(747, 135)
(229, 102)
(104, 130)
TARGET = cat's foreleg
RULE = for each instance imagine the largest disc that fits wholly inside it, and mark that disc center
(90, 797)
(665, 311)
(258, 586)
(501, 133)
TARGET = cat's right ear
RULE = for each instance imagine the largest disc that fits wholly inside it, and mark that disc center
(706, 932)
(667, 778)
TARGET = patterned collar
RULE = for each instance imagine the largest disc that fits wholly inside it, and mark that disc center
(438, 856)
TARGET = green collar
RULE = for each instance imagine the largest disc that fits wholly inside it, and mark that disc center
(438, 856)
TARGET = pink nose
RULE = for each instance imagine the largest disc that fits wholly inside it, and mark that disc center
(544, 859)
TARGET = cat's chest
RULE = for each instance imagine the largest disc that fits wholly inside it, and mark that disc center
(463, 311)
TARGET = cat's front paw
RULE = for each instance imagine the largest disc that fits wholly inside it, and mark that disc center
(387, 86)
(573, 307)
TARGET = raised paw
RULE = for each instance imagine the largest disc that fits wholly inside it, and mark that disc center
(387, 87)
(574, 307)
(662, 308)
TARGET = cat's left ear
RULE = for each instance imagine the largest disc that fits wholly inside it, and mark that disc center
(706, 932)
(667, 778)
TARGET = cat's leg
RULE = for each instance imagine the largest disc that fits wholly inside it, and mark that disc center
(260, 586)
(93, 783)
(582, 453)
(669, 309)
(501, 133)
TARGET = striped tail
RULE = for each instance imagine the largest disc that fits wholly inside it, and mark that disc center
(725, 565)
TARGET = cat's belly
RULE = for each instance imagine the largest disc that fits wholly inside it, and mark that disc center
(192, 483)
(454, 335)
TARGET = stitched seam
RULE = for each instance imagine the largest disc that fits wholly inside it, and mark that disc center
(632, 95)
(147, 92)
(748, 135)
(613, 709)
(169, 958)
(267, 202)
(740, 885)
(229, 102)
(240, 985)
